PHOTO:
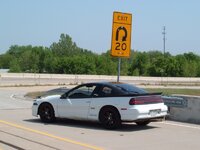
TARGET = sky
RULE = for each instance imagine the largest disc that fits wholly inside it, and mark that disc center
(89, 23)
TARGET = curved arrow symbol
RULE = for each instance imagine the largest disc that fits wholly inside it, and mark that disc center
(117, 33)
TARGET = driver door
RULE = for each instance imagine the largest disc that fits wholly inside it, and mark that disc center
(77, 103)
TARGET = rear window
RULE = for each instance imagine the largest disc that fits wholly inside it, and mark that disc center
(130, 89)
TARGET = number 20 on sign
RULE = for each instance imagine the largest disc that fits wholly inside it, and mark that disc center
(121, 34)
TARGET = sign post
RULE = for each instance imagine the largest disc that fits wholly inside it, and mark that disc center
(121, 37)
(119, 66)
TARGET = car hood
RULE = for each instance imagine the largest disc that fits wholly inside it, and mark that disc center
(50, 98)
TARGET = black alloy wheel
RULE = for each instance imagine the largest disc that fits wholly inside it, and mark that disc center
(110, 118)
(46, 113)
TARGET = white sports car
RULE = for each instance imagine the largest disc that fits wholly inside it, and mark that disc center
(107, 103)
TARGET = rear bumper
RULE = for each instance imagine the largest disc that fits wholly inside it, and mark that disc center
(152, 113)
(157, 119)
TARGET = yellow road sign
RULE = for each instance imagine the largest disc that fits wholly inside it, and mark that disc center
(121, 34)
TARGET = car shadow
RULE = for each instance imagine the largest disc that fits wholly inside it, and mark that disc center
(125, 127)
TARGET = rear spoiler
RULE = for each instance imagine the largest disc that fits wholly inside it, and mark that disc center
(145, 94)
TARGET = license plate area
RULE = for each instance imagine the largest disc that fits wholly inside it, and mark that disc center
(154, 112)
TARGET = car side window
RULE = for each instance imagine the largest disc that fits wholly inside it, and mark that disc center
(106, 91)
(82, 92)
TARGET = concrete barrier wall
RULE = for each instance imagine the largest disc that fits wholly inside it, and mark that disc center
(190, 113)
(87, 78)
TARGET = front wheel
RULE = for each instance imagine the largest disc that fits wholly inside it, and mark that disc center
(46, 113)
(110, 118)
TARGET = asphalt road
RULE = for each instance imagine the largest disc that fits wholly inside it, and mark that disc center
(20, 130)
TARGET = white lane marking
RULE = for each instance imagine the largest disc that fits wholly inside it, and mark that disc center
(17, 97)
(181, 125)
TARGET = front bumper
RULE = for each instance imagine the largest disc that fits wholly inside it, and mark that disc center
(35, 109)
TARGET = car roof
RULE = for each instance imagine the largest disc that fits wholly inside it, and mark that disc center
(116, 85)
(105, 83)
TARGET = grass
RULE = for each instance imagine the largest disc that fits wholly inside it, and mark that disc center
(34, 94)
(195, 92)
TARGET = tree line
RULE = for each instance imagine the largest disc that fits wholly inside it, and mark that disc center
(65, 57)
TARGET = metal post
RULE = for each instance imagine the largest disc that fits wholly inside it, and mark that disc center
(119, 65)
(164, 39)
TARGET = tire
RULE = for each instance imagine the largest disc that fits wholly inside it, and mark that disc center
(110, 118)
(46, 113)
(142, 123)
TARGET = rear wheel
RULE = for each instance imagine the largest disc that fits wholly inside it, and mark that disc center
(143, 123)
(110, 118)
(46, 113)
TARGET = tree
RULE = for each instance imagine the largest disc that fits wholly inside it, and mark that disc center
(14, 66)
(192, 64)
(139, 65)
(171, 67)
(66, 57)
(5, 60)
(105, 65)
(65, 46)
(157, 67)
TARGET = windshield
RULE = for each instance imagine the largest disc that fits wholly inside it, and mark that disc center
(130, 89)
(58, 91)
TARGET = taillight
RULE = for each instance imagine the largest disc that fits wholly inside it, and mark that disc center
(145, 100)
(134, 101)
